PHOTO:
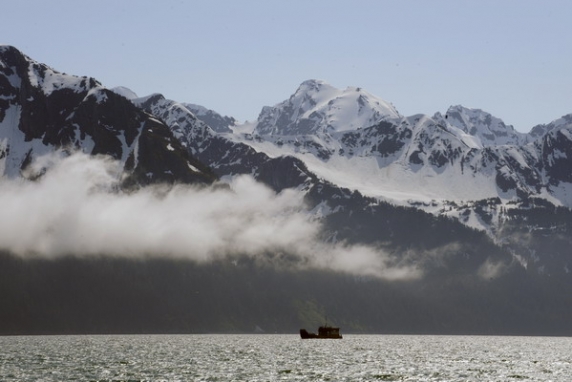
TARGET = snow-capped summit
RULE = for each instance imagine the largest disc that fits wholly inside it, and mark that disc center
(317, 107)
(125, 92)
(484, 127)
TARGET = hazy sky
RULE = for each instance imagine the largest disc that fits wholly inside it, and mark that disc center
(512, 58)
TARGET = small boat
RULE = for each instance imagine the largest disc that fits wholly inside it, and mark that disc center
(323, 332)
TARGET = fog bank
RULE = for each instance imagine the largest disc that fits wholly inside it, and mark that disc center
(77, 208)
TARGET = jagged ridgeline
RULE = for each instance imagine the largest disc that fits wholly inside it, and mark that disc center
(468, 219)
(43, 110)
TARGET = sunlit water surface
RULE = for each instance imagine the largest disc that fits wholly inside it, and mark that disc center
(284, 358)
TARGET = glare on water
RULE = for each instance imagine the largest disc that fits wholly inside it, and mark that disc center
(284, 358)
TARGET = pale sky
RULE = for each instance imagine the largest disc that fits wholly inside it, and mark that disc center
(512, 58)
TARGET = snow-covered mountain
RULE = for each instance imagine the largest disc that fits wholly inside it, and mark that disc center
(345, 149)
(465, 165)
(217, 122)
(223, 155)
(486, 129)
(560, 123)
(43, 110)
(465, 155)
(429, 162)
(481, 209)
(317, 108)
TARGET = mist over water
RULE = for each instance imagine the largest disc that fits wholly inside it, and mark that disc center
(285, 358)
(77, 208)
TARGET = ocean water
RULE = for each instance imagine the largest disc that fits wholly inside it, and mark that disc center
(284, 358)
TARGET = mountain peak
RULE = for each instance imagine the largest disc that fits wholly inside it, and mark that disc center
(216, 121)
(317, 107)
(314, 84)
(488, 129)
(125, 92)
(4, 49)
(313, 91)
(43, 111)
(563, 122)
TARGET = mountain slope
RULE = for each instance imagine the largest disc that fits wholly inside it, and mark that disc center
(458, 166)
(465, 155)
(42, 110)
(487, 129)
(347, 215)
(480, 173)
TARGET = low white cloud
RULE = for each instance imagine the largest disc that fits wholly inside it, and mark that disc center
(78, 209)
(491, 269)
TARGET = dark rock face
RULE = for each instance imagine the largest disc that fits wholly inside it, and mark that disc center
(54, 110)
(556, 153)
(385, 138)
(163, 159)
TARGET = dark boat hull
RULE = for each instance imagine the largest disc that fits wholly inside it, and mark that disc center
(329, 334)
